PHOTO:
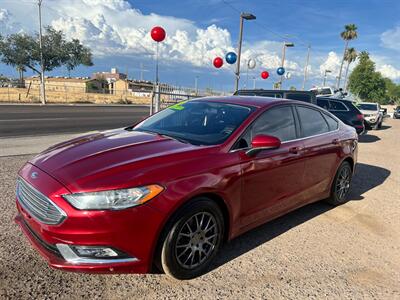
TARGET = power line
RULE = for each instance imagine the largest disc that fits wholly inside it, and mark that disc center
(283, 37)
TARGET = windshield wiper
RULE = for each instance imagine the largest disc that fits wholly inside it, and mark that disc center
(161, 134)
(174, 138)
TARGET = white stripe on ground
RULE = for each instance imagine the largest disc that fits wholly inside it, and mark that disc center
(32, 145)
(53, 119)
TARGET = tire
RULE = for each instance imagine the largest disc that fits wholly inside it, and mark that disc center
(340, 188)
(192, 240)
(380, 125)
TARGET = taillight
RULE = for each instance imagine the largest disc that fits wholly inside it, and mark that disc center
(360, 117)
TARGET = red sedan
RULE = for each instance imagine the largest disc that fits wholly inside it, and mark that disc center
(169, 191)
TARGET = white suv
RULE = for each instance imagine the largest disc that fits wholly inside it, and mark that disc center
(372, 114)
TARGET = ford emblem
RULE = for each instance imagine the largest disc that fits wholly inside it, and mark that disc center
(34, 175)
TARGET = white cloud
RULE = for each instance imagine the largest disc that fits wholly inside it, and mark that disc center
(331, 63)
(391, 38)
(111, 27)
(389, 71)
(6, 26)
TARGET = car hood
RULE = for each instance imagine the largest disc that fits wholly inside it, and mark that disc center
(369, 112)
(98, 161)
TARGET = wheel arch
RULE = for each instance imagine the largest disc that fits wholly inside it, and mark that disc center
(350, 160)
(218, 199)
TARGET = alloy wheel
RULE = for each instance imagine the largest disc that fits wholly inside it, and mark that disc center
(343, 183)
(196, 240)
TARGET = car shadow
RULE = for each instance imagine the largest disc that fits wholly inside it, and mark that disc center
(366, 178)
(368, 138)
(384, 127)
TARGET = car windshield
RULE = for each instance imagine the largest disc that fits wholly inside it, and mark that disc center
(364, 106)
(197, 122)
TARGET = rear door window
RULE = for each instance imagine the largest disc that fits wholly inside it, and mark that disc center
(311, 121)
(323, 103)
(337, 106)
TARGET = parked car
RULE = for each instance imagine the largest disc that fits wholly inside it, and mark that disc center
(304, 96)
(373, 116)
(396, 113)
(345, 110)
(172, 189)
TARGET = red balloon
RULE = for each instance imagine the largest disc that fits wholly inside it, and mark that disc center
(264, 75)
(158, 34)
(218, 62)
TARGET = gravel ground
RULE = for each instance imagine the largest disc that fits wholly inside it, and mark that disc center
(348, 252)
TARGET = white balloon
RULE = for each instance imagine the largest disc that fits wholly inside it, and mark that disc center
(288, 75)
(251, 64)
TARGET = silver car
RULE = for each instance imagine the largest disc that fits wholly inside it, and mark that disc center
(373, 115)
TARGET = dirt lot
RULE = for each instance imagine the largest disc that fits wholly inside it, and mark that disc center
(348, 252)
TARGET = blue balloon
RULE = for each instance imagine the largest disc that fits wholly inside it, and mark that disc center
(231, 58)
(280, 71)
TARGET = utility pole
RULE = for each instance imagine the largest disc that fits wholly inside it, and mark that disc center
(42, 79)
(243, 16)
(306, 67)
(196, 78)
(285, 44)
(141, 71)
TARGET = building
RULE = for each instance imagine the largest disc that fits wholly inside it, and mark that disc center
(131, 87)
(62, 84)
(109, 76)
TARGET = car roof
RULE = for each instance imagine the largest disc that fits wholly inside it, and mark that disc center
(273, 91)
(255, 101)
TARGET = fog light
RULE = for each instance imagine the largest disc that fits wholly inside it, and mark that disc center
(76, 254)
(97, 252)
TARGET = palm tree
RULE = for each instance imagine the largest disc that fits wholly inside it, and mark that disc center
(349, 33)
(350, 56)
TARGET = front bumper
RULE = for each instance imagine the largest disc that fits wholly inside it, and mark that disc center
(371, 121)
(133, 231)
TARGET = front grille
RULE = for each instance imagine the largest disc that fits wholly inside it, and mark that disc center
(38, 205)
(51, 248)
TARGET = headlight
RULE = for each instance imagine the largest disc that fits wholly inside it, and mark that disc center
(114, 199)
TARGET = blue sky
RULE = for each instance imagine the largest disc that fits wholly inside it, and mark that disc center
(197, 31)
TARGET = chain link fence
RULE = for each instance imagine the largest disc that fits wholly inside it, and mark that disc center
(80, 92)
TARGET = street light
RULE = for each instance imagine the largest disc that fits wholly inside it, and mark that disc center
(326, 71)
(243, 16)
(306, 67)
(42, 78)
(285, 45)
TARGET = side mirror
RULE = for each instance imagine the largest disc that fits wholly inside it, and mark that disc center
(263, 142)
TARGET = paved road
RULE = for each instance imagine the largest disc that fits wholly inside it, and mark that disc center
(316, 252)
(30, 120)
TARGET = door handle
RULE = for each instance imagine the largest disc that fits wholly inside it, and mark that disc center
(335, 141)
(295, 150)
